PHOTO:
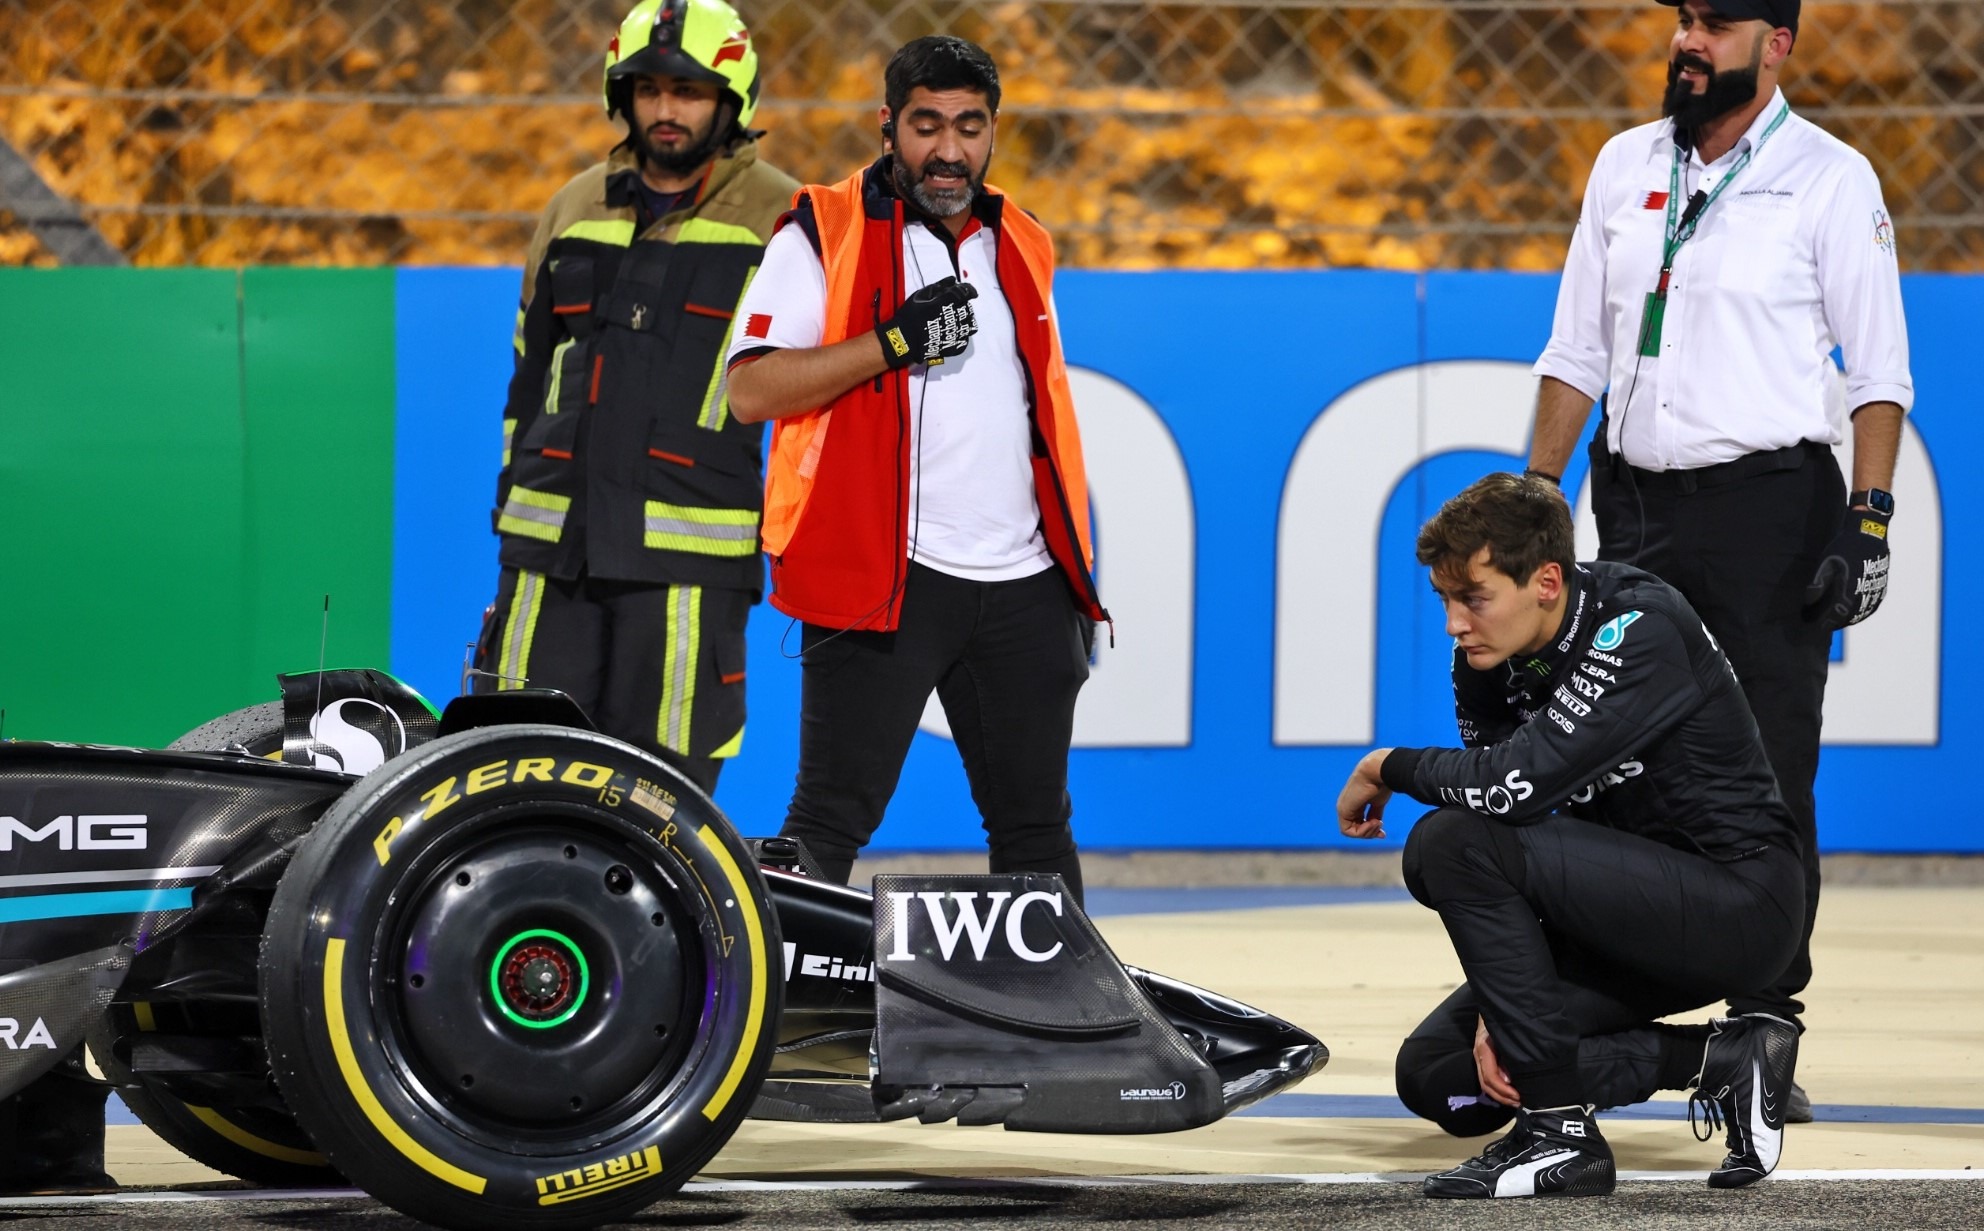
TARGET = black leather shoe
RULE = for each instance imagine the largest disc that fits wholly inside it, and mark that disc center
(1556, 1152)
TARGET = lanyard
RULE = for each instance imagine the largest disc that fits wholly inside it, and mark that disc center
(1681, 228)
(1679, 233)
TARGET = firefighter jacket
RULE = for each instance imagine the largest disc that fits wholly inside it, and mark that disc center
(837, 487)
(620, 458)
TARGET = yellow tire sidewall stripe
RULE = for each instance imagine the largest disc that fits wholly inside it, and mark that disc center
(253, 1144)
(754, 938)
(361, 1093)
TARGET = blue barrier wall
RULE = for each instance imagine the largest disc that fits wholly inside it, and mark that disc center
(1263, 448)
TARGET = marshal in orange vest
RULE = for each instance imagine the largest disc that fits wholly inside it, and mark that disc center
(837, 479)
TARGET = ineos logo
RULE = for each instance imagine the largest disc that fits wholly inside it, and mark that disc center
(37, 1035)
(970, 922)
(1498, 799)
(79, 833)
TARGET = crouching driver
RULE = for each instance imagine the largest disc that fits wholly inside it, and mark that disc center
(1608, 848)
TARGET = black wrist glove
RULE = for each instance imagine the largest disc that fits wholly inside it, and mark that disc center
(1853, 577)
(932, 324)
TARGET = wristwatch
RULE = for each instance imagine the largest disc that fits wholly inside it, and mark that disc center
(1874, 498)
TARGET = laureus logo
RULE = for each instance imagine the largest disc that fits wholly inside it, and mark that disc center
(1153, 1094)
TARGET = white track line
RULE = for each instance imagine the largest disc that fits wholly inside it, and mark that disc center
(1343, 1177)
(953, 1183)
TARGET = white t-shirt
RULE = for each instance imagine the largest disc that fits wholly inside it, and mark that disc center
(1795, 257)
(972, 511)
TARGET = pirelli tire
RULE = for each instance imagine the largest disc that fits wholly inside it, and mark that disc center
(521, 976)
(257, 729)
(260, 1144)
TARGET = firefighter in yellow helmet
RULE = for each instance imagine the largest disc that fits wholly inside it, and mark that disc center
(628, 503)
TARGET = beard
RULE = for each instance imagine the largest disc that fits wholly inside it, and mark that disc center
(691, 153)
(944, 203)
(1725, 92)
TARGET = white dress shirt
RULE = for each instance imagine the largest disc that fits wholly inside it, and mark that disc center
(1794, 258)
(972, 510)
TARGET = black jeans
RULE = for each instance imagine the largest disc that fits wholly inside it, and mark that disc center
(1006, 659)
(1574, 937)
(1740, 541)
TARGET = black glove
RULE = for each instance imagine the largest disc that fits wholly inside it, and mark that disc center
(931, 324)
(1853, 577)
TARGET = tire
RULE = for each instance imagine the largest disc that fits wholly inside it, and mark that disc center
(521, 976)
(257, 728)
(261, 1145)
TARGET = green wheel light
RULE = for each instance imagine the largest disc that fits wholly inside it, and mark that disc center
(503, 997)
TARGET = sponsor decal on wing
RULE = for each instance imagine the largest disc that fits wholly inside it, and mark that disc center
(977, 925)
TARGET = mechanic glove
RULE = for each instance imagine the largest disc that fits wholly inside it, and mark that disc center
(1853, 577)
(932, 324)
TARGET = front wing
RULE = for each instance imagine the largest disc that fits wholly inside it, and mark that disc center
(994, 1000)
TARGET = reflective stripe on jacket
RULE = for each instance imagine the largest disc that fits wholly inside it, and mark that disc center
(837, 480)
(621, 460)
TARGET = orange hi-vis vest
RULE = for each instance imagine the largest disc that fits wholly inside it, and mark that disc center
(837, 479)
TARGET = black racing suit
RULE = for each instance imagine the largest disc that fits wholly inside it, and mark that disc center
(1610, 848)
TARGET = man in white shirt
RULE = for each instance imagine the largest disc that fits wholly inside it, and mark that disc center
(926, 512)
(1720, 257)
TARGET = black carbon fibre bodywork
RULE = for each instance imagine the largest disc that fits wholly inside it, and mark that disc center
(109, 854)
(79, 823)
(980, 1048)
(138, 882)
(47, 1009)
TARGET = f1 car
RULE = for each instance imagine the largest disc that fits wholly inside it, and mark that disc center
(497, 968)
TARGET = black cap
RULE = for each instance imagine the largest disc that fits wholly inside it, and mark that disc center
(1776, 12)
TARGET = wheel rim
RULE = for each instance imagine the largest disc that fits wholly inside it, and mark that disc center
(534, 978)
(539, 979)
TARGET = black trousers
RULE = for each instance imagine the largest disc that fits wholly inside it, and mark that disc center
(1006, 659)
(659, 666)
(1741, 541)
(1574, 937)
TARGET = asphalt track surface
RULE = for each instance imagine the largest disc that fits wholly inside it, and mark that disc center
(1373, 1204)
(1895, 1060)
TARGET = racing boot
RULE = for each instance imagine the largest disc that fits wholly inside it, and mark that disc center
(51, 1134)
(1553, 1152)
(1745, 1085)
(1798, 1108)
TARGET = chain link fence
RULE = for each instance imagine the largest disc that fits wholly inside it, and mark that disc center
(1401, 134)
